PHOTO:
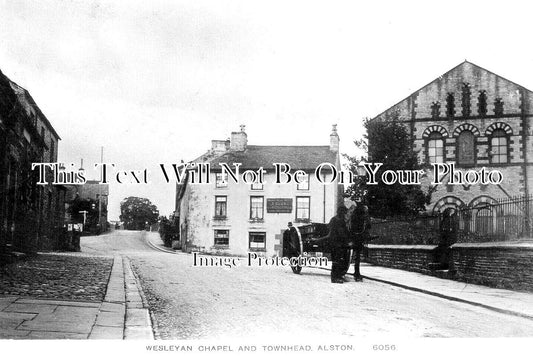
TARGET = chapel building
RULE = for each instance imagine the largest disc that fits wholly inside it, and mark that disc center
(473, 118)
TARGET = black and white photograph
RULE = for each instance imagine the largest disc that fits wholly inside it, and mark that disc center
(266, 177)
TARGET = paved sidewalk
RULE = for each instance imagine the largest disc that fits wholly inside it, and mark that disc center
(501, 300)
(121, 315)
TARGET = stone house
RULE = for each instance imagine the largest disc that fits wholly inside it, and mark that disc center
(31, 215)
(225, 217)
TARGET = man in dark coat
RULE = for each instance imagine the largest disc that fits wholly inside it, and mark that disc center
(338, 240)
(291, 242)
(291, 245)
(359, 232)
(448, 236)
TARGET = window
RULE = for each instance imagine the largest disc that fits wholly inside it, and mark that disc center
(52, 151)
(466, 148)
(498, 107)
(222, 237)
(257, 186)
(482, 103)
(498, 146)
(450, 105)
(221, 206)
(304, 185)
(302, 208)
(221, 180)
(435, 110)
(466, 99)
(435, 148)
(256, 208)
(257, 241)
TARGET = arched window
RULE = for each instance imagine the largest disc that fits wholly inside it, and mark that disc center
(498, 146)
(466, 153)
(435, 148)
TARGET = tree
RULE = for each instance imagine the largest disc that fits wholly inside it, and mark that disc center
(387, 141)
(137, 212)
(168, 230)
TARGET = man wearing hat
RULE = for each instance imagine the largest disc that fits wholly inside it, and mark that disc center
(338, 241)
(292, 245)
(360, 232)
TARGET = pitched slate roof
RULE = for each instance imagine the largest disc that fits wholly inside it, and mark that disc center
(27, 102)
(298, 157)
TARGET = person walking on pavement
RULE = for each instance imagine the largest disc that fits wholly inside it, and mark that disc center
(338, 240)
(359, 233)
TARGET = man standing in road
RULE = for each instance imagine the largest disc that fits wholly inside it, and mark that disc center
(338, 240)
(292, 245)
(359, 232)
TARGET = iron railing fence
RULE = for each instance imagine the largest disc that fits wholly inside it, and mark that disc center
(508, 219)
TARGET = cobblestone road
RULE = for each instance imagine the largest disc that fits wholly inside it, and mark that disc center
(192, 302)
(57, 276)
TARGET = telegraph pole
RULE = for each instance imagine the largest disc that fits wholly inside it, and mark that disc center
(100, 196)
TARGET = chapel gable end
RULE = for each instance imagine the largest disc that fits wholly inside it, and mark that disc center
(468, 92)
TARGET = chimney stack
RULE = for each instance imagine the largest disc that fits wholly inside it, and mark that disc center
(334, 139)
(239, 140)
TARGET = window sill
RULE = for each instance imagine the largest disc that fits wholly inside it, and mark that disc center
(256, 221)
(221, 247)
(218, 218)
(303, 220)
(257, 249)
(500, 164)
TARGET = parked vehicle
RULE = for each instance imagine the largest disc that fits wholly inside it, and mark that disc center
(314, 242)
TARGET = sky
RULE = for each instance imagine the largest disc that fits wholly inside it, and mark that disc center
(155, 81)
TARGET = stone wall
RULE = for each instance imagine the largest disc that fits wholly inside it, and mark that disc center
(494, 265)
(414, 258)
(491, 264)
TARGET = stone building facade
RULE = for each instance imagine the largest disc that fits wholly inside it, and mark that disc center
(473, 118)
(31, 215)
(225, 217)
